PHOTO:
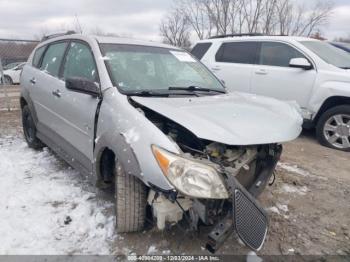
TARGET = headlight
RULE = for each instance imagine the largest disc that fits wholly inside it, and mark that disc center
(189, 177)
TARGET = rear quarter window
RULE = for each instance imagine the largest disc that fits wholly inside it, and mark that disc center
(199, 50)
(237, 52)
(37, 56)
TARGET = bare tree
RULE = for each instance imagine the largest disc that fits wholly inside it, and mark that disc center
(197, 17)
(302, 20)
(203, 18)
(175, 29)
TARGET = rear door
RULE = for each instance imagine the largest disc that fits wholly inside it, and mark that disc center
(273, 76)
(77, 111)
(234, 62)
(43, 80)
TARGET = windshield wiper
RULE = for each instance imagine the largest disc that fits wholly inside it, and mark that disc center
(345, 67)
(194, 89)
(146, 93)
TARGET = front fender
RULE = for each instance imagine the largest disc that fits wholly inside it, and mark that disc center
(130, 135)
(327, 90)
(123, 153)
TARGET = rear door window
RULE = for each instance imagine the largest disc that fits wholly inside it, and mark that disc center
(200, 50)
(277, 54)
(53, 58)
(237, 52)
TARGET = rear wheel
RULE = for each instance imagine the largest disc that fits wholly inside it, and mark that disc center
(8, 80)
(333, 128)
(130, 201)
(29, 129)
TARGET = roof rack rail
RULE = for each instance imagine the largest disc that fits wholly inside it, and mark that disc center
(46, 37)
(235, 35)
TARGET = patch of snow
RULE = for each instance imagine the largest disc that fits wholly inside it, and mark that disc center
(298, 170)
(152, 250)
(283, 208)
(294, 190)
(105, 58)
(45, 207)
(131, 136)
(293, 169)
(252, 257)
(274, 210)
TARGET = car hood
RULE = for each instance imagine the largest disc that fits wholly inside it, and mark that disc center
(233, 119)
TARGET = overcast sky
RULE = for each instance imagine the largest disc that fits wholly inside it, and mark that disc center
(136, 18)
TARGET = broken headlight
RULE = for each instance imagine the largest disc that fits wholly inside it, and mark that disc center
(190, 177)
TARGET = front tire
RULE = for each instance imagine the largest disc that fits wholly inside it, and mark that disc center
(333, 128)
(130, 201)
(29, 129)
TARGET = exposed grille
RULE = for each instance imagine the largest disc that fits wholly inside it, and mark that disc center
(251, 223)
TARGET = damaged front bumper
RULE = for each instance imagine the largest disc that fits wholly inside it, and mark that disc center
(240, 212)
(247, 217)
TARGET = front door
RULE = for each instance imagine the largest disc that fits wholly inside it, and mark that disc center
(77, 111)
(273, 76)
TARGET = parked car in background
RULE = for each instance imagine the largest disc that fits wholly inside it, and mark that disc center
(12, 75)
(343, 46)
(12, 65)
(155, 124)
(313, 73)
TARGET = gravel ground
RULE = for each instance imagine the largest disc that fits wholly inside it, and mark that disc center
(309, 206)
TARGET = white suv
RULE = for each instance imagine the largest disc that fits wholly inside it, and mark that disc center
(313, 73)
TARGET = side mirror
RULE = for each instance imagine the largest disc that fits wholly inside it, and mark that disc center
(82, 85)
(300, 63)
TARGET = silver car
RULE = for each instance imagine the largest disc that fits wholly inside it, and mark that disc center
(152, 122)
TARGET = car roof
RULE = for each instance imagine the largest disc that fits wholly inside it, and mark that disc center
(109, 40)
(258, 38)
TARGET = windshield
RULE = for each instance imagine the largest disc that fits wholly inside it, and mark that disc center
(141, 68)
(328, 53)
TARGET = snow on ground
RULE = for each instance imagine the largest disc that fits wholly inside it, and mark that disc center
(293, 169)
(298, 170)
(289, 189)
(46, 207)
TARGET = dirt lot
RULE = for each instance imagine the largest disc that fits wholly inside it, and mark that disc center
(309, 206)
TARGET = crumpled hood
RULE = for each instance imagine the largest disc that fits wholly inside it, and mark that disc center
(233, 119)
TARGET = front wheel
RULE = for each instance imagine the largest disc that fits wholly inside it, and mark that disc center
(333, 128)
(130, 201)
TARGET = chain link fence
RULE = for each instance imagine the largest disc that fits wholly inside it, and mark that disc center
(14, 54)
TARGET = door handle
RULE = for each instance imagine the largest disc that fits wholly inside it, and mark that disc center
(56, 93)
(33, 81)
(216, 68)
(261, 72)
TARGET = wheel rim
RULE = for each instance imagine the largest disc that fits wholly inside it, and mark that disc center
(28, 125)
(337, 131)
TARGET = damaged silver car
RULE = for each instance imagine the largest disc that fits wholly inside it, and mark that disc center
(154, 123)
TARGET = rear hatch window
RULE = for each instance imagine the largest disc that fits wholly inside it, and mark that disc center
(200, 49)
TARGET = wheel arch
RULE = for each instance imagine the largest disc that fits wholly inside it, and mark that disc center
(330, 103)
(110, 150)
